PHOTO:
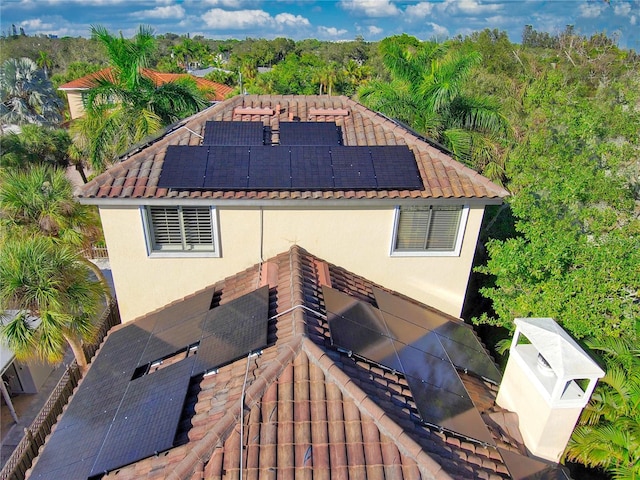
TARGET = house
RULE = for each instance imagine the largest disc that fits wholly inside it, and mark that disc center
(75, 89)
(19, 376)
(251, 176)
(286, 370)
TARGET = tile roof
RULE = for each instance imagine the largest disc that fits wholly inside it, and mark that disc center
(310, 410)
(136, 176)
(88, 81)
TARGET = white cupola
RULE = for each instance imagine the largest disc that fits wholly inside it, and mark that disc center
(548, 381)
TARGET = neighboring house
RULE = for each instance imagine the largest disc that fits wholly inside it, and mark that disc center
(321, 172)
(19, 377)
(215, 92)
(298, 368)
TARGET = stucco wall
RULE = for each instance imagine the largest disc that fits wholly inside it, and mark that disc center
(76, 108)
(356, 239)
(545, 428)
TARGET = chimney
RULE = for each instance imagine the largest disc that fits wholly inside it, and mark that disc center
(548, 381)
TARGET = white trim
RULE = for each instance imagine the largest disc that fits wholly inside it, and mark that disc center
(151, 253)
(464, 215)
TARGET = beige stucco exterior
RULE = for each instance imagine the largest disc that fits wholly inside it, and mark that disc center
(74, 99)
(545, 426)
(356, 238)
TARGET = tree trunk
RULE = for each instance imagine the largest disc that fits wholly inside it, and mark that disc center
(101, 278)
(78, 352)
(81, 172)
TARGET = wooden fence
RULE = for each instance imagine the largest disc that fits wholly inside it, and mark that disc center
(94, 252)
(27, 450)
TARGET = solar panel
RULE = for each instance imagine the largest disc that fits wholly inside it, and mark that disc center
(228, 168)
(183, 333)
(448, 410)
(311, 168)
(310, 133)
(357, 327)
(458, 339)
(269, 168)
(135, 435)
(353, 168)
(234, 133)
(184, 167)
(115, 419)
(233, 330)
(395, 167)
(396, 340)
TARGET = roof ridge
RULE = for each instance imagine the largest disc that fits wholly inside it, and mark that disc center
(203, 449)
(429, 468)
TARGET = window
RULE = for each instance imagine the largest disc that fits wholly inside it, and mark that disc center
(181, 229)
(429, 230)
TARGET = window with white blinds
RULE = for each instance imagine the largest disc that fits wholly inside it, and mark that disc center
(181, 229)
(428, 229)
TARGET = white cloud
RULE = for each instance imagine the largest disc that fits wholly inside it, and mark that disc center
(226, 3)
(469, 7)
(331, 31)
(439, 30)
(590, 10)
(171, 11)
(373, 30)
(622, 9)
(36, 24)
(371, 8)
(498, 20)
(290, 20)
(217, 18)
(633, 19)
(419, 10)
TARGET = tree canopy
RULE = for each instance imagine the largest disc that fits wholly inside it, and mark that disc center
(26, 94)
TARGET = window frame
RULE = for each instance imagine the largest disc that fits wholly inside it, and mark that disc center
(150, 240)
(462, 223)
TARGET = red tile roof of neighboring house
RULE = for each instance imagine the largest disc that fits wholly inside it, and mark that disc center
(311, 411)
(136, 177)
(220, 91)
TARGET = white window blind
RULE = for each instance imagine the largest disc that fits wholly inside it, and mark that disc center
(428, 228)
(181, 229)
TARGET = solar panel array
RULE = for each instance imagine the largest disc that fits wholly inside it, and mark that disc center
(423, 344)
(119, 416)
(310, 156)
(290, 168)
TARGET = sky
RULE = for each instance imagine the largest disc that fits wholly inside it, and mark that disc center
(333, 20)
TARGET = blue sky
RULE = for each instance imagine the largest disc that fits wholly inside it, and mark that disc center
(325, 19)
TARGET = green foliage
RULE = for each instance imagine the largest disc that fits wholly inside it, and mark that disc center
(34, 145)
(608, 433)
(427, 91)
(26, 95)
(577, 252)
(39, 201)
(74, 70)
(126, 106)
(50, 285)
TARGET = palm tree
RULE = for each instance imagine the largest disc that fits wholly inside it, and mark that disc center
(26, 95)
(39, 201)
(44, 62)
(608, 433)
(125, 105)
(426, 92)
(35, 144)
(55, 298)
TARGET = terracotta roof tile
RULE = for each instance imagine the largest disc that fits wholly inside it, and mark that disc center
(88, 81)
(442, 176)
(310, 411)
